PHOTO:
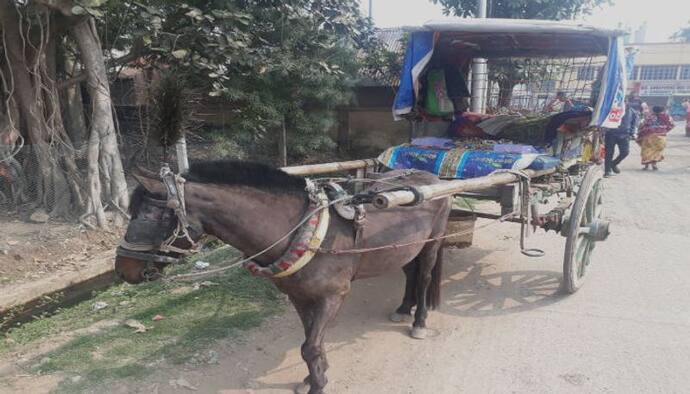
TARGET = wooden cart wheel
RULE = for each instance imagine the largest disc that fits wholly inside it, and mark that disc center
(584, 228)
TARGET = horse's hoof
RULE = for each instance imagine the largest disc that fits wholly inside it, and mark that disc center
(418, 333)
(396, 317)
(302, 388)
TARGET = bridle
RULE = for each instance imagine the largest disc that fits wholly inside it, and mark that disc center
(175, 200)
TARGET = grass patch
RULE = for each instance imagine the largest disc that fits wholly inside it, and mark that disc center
(194, 318)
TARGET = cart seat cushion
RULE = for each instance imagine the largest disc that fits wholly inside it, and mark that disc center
(463, 162)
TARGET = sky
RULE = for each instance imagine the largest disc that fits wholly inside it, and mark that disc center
(663, 17)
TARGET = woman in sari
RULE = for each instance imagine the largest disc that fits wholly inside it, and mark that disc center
(652, 137)
(686, 106)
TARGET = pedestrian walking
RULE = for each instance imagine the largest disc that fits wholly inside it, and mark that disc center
(652, 137)
(686, 106)
(620, 137)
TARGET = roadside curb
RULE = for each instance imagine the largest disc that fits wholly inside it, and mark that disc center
(20, 302)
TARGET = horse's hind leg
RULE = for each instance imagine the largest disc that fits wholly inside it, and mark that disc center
(318, 314)
(410, 298)
(428, 259)
(303, 309)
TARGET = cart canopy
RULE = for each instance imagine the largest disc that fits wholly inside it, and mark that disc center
(457, 38)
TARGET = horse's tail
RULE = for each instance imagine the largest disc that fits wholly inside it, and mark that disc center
(433, 295)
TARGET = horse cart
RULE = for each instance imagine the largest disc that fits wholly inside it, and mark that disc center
(551, 178)
(532, 155)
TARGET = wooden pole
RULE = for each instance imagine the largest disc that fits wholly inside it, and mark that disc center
(181, 152)
(448, 188)
(325, 168)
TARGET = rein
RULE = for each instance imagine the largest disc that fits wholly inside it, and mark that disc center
(176, 201)
(238, 262)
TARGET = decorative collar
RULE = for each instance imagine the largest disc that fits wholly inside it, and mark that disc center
(303, 248)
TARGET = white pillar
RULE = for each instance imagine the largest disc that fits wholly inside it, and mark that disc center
(181, 152)
(479, 73)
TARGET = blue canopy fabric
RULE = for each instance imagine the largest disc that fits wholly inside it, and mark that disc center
(419, 51)
(611, 104)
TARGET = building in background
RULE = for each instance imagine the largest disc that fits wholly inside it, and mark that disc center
(661, 75)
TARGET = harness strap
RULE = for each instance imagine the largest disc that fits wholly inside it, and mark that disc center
(174, 184)
(304, 247)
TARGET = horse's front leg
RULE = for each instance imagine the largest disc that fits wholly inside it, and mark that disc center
(410, 298)
(321, 312)
(427, 261)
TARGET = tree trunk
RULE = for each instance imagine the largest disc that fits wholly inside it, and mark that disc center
(73, 111)
(51, 185)
(102, 124)
(65, 149)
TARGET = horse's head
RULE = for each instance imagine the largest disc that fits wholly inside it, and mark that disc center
(151, 241)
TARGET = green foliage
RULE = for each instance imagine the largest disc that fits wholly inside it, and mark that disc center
(289, 61)
(523, 9)
(682, 35)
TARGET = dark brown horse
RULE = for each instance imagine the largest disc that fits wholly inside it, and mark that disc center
(249, 206)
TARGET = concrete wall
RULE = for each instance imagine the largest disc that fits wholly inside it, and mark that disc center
(373, 130)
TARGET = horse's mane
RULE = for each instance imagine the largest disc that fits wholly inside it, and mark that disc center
(230, 172)
(243, 173)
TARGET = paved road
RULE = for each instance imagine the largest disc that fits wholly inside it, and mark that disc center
(503, 326)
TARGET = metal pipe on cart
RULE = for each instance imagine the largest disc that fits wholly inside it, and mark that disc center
(397, 198)
(479, 72)
(325, 168)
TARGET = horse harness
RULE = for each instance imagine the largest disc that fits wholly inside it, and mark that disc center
(135, 244)
(303, 247)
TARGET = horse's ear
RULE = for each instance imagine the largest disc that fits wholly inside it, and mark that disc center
(152, 185)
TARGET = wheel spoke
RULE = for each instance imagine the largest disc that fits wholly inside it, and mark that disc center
(592, 204)
(584, 227)
(580, 255)
(597, 201)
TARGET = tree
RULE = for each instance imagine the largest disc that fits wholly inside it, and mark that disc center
(682, 34)
(508, 72)
(35, 34)
(523, 9)
(275, 63)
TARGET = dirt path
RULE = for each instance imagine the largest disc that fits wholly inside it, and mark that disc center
(503, 327)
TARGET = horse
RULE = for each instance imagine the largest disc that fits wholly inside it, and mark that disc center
(249, 206)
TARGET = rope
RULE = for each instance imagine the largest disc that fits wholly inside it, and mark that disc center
(238, 262)
(423, 241)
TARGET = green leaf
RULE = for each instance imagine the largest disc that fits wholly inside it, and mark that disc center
(180, 53)
(194, 13)
(78, 10)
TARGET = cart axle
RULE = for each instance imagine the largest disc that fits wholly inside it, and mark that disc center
(597, 231)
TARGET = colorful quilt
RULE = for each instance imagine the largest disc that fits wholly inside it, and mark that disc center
(458, 163)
